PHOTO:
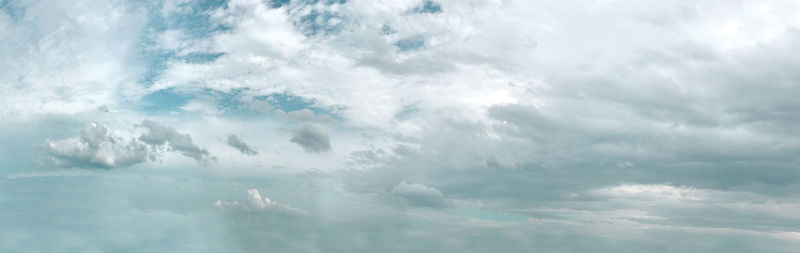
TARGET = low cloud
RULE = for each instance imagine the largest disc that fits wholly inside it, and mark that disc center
(96, 146)
(240, 145)
(312, 139)
(420, 195)
(159, 135)
(256, 203)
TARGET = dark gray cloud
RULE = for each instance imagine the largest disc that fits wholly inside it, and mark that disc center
(95, 146)
(311, 138)
(240, 145)
(159, 135)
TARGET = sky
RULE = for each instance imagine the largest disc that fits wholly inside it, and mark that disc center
(399, 126)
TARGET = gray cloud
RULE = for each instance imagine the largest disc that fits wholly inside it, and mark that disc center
(240, 145)
(159, 135)
(312, 139)
(95, 146)
(420, 195)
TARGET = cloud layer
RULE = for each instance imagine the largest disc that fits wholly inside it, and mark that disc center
(495, 125)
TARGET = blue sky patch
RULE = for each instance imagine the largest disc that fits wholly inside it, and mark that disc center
(165, 100)
(319, 23)
(195, 23)
(12, 10)
(410, 43)
(429, 7)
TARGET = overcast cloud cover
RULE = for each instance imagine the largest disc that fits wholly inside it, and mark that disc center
(399, 126)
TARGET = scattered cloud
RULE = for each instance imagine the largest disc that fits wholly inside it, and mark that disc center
(420, 195)
(240, 145)
(95, 146)
(256, 203)
(311, 138)
(161, 135)
(98, 146)
(617, 125)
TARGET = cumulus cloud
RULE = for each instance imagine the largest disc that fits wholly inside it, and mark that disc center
(256, 203)
(311, 138)
(98, 146)
(160, 135)
(95, 146)
(420, 195)
(240, 145)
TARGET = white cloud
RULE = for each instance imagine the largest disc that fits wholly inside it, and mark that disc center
(67, 57)
(96, 146)
(657, 192)
(99, 146)
(256, 203)
(511, 104)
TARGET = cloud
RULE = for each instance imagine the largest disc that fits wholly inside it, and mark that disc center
(96, 146)
(256, 203)
(420, 195)
(654, 192)
(159, 135)
(311, 138)
(240, 145)
(73, 67)
(645, 114)
(306, 115)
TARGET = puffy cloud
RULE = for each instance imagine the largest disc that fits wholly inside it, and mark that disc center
(240, 145)
(96, 146)
(159, 135)
(311, 138)
(420, 195)
(256, 203)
